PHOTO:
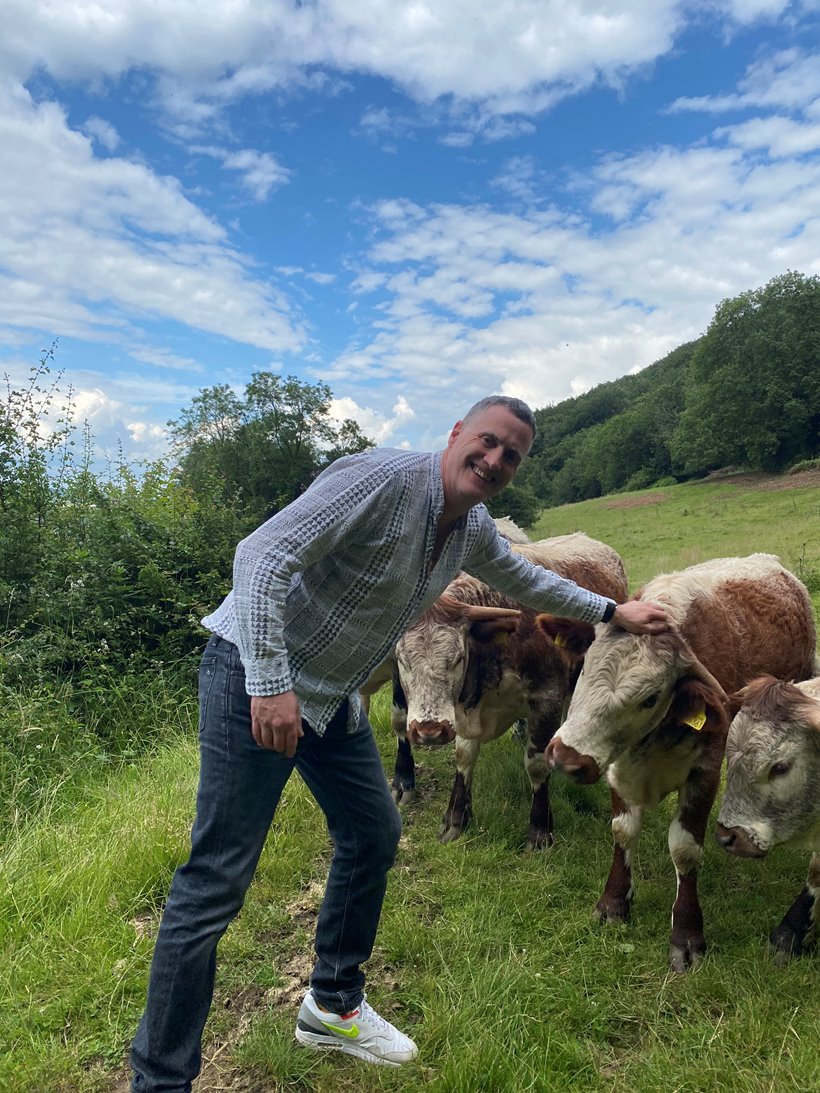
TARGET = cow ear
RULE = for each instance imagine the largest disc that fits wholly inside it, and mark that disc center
(571, 636)
(700, 707)
(735, 701)
(494, 631)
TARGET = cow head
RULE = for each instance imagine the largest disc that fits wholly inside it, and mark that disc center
(773, 770)
(432, 662)
(628, 686)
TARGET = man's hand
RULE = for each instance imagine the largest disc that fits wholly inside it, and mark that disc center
(640, 617)
(276, 722)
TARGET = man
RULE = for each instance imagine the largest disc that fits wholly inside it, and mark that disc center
(322, 591)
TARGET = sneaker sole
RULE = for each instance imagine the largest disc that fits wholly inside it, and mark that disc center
(331, 1043)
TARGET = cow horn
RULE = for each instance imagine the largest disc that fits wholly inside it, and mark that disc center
(694, 668)
(475, 612)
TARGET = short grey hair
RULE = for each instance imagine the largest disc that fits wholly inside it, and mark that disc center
(517, 407)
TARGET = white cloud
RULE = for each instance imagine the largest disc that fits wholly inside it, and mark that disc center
(780, 137)
(457, 139)
(102, 131)
(260, 171)
(787, 80)
(380, 427)
(514, 56)
(89, 245)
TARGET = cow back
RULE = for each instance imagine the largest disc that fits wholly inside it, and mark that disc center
(588, 562)
(742, 617)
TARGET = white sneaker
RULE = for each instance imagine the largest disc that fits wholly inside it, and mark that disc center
(362, 1033)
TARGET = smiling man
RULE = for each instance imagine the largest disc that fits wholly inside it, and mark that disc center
(322, 592)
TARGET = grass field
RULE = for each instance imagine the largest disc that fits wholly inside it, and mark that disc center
(490, 957)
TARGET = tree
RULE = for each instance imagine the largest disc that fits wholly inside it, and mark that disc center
(753, 396)
(265, 446)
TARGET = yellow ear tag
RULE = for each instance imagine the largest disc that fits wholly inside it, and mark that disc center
(697, 720)
(501, 637)
(559, 640)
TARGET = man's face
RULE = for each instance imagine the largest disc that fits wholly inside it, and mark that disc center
(483, 455)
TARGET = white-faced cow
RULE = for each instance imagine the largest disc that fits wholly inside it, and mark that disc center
(650, 712)
(464, 677)
(507, 529)
(773, 789)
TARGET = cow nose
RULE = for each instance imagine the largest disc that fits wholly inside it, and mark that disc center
(430, 733)
(725, 836)
(580, 768)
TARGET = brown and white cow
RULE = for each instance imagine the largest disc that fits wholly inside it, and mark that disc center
(507, 529)
(650, 712)
(469, 679)
(773, 789)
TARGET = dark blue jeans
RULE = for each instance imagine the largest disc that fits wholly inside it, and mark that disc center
(239, 788)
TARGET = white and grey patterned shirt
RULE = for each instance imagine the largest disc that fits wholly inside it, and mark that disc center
(324, 589)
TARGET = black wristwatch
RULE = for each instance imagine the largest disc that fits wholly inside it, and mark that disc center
(609, 611)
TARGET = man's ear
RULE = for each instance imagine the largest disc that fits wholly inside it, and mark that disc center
(456, 429)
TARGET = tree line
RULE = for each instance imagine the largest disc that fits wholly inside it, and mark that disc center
(745, 394)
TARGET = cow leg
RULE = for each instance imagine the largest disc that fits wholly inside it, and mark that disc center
(540, 831)
(403, 785)
(616, 901)
(460, 809)
(686, 834)
(541, 726)
(790, 937)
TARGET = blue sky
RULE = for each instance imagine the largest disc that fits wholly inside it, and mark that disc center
(416, 203)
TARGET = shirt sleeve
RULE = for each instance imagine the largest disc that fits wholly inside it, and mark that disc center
(492, 561)
(349, 494)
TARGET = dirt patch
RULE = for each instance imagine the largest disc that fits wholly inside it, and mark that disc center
(800, 481)
(635, 502)
(746, 480)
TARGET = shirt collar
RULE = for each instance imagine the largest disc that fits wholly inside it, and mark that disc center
(437, 493)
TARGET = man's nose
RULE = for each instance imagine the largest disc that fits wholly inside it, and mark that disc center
(493, 457)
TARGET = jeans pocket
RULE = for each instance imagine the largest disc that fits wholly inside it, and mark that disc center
(207, 675)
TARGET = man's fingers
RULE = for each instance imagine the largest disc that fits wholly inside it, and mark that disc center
(276, 722)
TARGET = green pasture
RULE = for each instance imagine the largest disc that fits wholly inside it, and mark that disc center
(489, 956)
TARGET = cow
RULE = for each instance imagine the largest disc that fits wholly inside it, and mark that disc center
(650, 712)
(507, 529)
(772, 792)
(460, 676)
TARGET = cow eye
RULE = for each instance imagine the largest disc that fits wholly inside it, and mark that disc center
(649, 702)
(779, 769)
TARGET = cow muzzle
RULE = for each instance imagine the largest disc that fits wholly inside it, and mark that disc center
(430, 733)
(566, 760)
(735, 840)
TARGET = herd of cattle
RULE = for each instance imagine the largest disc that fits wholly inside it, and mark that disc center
(652, 714)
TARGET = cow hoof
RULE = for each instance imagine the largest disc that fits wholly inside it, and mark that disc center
(686, 957)
(403, 795)
(539, 840)
(784, 944)
(612, 910)
(449, 833)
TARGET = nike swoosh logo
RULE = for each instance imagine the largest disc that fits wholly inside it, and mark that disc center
(351, 1033)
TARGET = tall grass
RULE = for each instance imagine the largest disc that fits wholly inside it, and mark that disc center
(489, 956)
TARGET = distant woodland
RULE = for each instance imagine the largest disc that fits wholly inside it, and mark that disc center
(745, 394)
